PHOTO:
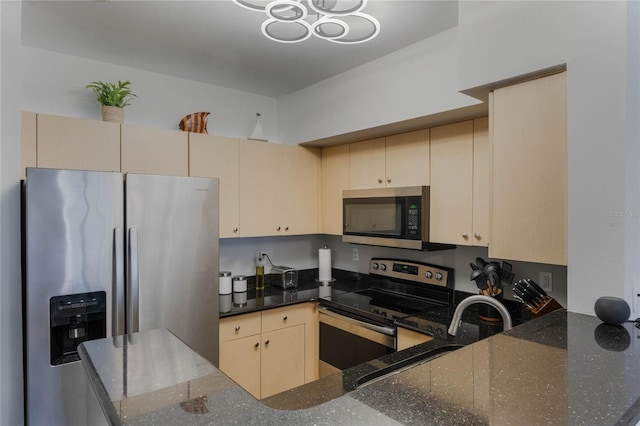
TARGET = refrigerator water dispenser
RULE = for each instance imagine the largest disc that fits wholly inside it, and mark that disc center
(75, 319)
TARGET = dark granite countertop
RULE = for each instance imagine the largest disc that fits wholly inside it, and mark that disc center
(562, 368)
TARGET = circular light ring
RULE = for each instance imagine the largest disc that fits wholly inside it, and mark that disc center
(376, 30)
(255, 7)
(275, 8)
(304, 24)
(316, 27)
(358, 7)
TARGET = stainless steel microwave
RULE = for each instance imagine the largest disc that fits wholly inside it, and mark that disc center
(390, 217)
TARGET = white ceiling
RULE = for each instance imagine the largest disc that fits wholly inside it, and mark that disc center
(218, 42)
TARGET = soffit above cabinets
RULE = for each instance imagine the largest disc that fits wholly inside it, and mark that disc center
(456, 115)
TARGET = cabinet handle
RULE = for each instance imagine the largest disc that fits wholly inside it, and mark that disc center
(266, 342)
(284, 318)
(256, 345)
(277, 228)
(477, 235)
(286, 228)
(235, 229)
(465, 236)
(237, 328)
(379, 180)
(388, 180)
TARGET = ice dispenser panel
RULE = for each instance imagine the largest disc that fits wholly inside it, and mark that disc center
(74, 319)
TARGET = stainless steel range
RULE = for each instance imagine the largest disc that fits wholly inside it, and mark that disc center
(358, 326)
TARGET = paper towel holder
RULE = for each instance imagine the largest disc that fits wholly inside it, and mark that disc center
(321, 276)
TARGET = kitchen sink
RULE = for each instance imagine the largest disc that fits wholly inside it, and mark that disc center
(405, 364)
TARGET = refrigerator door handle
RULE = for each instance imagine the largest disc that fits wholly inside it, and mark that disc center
(133, 290)
(117, 317)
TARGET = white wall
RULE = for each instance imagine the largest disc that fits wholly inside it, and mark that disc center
(501, 40)
(632, 225)
(416, 81)
(55, 83)
(11, 400)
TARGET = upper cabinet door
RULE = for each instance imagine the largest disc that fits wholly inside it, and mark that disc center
(451, 183)
(218, 156)
(367, 164)
(407, 159)
(300, 202)
(529, 184)
(72, 143)
(335, 178)
(28, 142)
(481, 182)
(261, 194)
(155, 151)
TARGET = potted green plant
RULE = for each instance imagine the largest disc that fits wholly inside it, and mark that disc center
(113, 97)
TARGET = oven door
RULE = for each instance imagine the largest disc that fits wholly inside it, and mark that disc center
(346, 342)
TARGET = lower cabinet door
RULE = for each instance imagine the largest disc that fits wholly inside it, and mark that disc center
(282, 360)
(240, 360)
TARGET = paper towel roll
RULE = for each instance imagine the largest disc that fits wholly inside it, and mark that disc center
(324, 260)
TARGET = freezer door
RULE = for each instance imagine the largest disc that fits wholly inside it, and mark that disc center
(71, 222)
(172, 258)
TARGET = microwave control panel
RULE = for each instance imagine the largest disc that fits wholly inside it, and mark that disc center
(418, 272)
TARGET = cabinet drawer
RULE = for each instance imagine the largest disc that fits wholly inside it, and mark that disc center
(289, 316)
(239, 326)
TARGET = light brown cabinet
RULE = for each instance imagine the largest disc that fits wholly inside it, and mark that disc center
(459, 183)
(529, 173)
(335, 179)
(271, 351)
(408, 338)
(260, 187)
(481, 182)
(300, 199)
(218, 156)
(279, 189)
(28, 142)
(393, 161)
(407, 159)
(367, 164)
(72, 143)
(451, 183)
(154, 151)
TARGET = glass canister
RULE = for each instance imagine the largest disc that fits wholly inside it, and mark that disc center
(224, 282)
(239, 283)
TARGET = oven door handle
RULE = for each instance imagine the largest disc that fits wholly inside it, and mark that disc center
(389, 331)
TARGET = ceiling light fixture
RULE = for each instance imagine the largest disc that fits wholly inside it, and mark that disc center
(294, 21)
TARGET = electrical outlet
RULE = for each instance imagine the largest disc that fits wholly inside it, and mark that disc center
(546, 281)
(355, 254)
(261, 257)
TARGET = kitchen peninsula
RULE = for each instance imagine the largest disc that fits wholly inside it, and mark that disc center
(562, 368)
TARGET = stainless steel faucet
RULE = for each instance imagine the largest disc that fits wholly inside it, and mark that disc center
(478, 298)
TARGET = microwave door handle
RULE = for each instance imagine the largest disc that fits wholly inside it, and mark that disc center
(133, 284)
(117, 311)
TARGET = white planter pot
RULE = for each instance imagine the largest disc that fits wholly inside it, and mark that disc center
(113, 114)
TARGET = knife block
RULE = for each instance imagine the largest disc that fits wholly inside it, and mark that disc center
(549, 305)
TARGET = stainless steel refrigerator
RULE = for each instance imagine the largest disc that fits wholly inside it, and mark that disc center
(107, 254)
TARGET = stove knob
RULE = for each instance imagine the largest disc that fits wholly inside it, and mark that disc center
(428, 274)
(429, 329)
(383, 314)
(383, 267)
(438, 276)
(439, 332)
(374, 266)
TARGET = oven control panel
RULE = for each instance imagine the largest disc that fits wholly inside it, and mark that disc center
(418, 272)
